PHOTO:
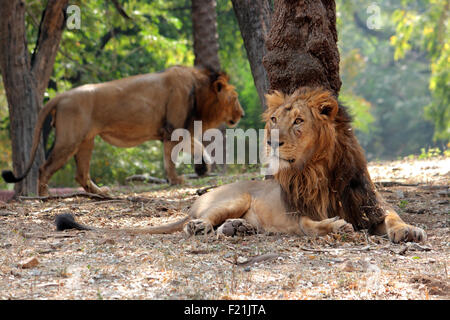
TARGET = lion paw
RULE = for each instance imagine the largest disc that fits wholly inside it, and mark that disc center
(91, 187)
(341, 226)
(105, 191)
(198, 227)
(176, 180)
(236, 227)
(406, 233)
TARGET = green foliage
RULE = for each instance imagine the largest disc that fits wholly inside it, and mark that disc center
(5, 142)
(424, 26)
(431, 153)
(395, 79)
(360, 110)
(109, 47)
(402, 204)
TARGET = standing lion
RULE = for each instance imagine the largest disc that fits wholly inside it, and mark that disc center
(128, 112)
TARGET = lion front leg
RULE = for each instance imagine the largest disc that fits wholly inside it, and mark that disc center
(83, 162)
(169, 165)
(217, 213)
(399, 231)
(319, 228)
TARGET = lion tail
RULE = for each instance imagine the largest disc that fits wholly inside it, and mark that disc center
(8, 175)
(67, 221)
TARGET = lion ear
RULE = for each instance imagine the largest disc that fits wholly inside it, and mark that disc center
(329, 108)
(218, 85)
(274, 99)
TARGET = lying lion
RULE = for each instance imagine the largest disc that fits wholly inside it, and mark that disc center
(322, 184)
(128, 112)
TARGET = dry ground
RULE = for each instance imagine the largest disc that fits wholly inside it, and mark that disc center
(36, 262)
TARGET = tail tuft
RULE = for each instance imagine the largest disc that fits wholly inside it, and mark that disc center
(67, 221)
(9, 177)
(202, 169)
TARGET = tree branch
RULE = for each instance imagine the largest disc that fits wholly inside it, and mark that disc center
(49, 36)
(113, 33)
(120, 9)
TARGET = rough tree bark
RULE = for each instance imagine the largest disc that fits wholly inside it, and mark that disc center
(26, 77)
(253, 17)
(302, 46)
(206, 50)
(204, 24)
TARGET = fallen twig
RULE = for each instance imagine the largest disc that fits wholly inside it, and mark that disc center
(256, 259)
(205, 190)
(365, 248)
(70, 195)
(435, 187)
(139, 199)
(395, 184)
(145, 178)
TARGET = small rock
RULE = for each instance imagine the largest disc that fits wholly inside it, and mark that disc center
(241, 260)
(402, 250)
(7, 213)
(368, 266)
(6, 245)
(56, 245)
(400, 194)
(28, 264)
(348, 266)
(3, 204)
(108, 241)
(421, 211)
(417, 247)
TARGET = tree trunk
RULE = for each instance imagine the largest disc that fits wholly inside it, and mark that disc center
(206, 51)
(253, 17)
(204, 24)
(302, 46)
(25, 79)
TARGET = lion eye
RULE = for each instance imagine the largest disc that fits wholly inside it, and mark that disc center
(298, 121)
(273, 119)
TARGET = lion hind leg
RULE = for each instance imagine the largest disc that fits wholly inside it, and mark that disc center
(319, 228)
(58, 157)
(218, 213)
(399, 231)
(169, 164)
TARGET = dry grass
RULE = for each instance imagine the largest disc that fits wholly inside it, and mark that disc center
(89, 265)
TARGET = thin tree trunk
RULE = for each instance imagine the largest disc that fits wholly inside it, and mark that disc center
(206, 49)
(253, 17)
(25, 79)
(204, 24)
(302, 46)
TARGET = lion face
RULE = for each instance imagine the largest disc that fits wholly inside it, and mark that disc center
(299, 127)
(228, 102)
